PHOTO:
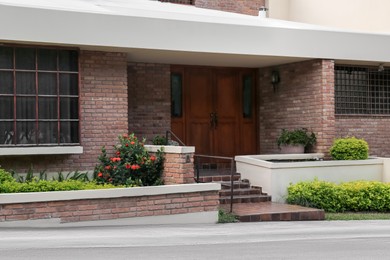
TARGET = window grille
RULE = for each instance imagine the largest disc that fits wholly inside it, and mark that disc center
(362, 91)
(39, 96)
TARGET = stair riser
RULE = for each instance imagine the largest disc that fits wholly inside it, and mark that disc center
(245, 200)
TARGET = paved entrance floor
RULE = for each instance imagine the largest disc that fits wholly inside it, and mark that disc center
(271, 211)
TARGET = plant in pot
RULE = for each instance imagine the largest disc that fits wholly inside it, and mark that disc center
(295, 141)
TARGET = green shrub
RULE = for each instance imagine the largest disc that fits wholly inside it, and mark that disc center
(44, 186)
(5, 176)
(349, 148)
(348, 196)
(132, 165)
(160, 140)
(296, 137)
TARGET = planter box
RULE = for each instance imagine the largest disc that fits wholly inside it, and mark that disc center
(172, 204)
(274, 177)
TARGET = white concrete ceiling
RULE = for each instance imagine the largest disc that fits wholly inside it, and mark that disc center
(151, 31)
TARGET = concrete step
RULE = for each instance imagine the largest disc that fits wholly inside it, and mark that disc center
(218, 178)
(242, 191)
(225, 185)
(251, 198)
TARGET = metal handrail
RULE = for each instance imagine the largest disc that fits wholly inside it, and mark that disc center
(173, 134)
(211, 157)
(231, 173)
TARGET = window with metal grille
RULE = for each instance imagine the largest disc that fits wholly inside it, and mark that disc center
(184, 2)
(362, 90)
(39, 96)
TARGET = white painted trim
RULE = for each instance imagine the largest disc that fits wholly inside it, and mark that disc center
(207, 217)
(10, 198)
(152, 22)
(41, 150)
(170, 148)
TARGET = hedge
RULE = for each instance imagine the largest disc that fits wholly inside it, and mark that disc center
(348, 196)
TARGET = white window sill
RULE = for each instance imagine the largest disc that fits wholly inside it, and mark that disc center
(41, 150)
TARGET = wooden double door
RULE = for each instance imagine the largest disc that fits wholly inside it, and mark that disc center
(217, 110)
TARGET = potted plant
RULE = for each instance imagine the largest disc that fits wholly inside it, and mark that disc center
(295, 141)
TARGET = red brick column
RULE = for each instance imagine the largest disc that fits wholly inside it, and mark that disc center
(103, 115)
(179, 164)
(149, 99)
(303, 98)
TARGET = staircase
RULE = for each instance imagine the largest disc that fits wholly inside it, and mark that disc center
(250, 204)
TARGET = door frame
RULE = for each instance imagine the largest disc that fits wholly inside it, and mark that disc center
(179, 124)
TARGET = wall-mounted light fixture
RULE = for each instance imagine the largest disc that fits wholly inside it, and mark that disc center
(381, 67)
(275, 79)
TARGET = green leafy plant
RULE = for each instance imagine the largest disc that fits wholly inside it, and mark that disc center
(160, 140)
(225, 217)
(349, 148)
(45, 186)
(299, 136)
(349, 196)
(132, 165)
(5, 176)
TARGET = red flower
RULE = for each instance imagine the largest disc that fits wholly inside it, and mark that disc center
(115, 159)
(118, 153)
(125, 135)
(127, 145)
(128, 166)
(110, 180)
(132, 143)
(100, 175)
(152, 158)
(108, 167)
(135, 167)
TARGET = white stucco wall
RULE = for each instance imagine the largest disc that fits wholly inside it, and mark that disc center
(360, 15)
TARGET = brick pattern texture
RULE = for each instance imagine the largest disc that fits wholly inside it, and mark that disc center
(250, 7)
(149, 99)
(103, 110)
(375, 130)
(114, 208)
(303, 98)
(178, 168)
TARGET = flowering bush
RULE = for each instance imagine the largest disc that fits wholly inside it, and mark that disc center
(132, 165)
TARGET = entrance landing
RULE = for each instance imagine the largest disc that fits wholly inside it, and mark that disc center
(271, 211)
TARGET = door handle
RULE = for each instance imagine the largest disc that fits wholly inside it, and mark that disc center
(213, 120)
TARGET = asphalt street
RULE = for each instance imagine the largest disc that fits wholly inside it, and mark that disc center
(263, 240)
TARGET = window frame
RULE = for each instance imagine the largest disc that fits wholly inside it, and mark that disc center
(38, 97)
(364, 93)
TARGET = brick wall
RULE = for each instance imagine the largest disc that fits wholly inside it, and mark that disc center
(375, 130)
(103, 109)
(178, 168)
(113, 208)
(149, 99)
(303, 98)
(250, 7)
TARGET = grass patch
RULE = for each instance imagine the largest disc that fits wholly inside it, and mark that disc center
(357, 216)
(225, 217)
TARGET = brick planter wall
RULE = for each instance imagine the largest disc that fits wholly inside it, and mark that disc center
(103, 110)
(303, 98)
(92, 205)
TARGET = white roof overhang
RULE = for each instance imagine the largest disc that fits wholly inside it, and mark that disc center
(151, 31)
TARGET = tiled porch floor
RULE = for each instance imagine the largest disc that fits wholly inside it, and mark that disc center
(270, 211)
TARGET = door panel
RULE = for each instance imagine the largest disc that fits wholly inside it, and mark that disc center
(199, 105)
(227, 102)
